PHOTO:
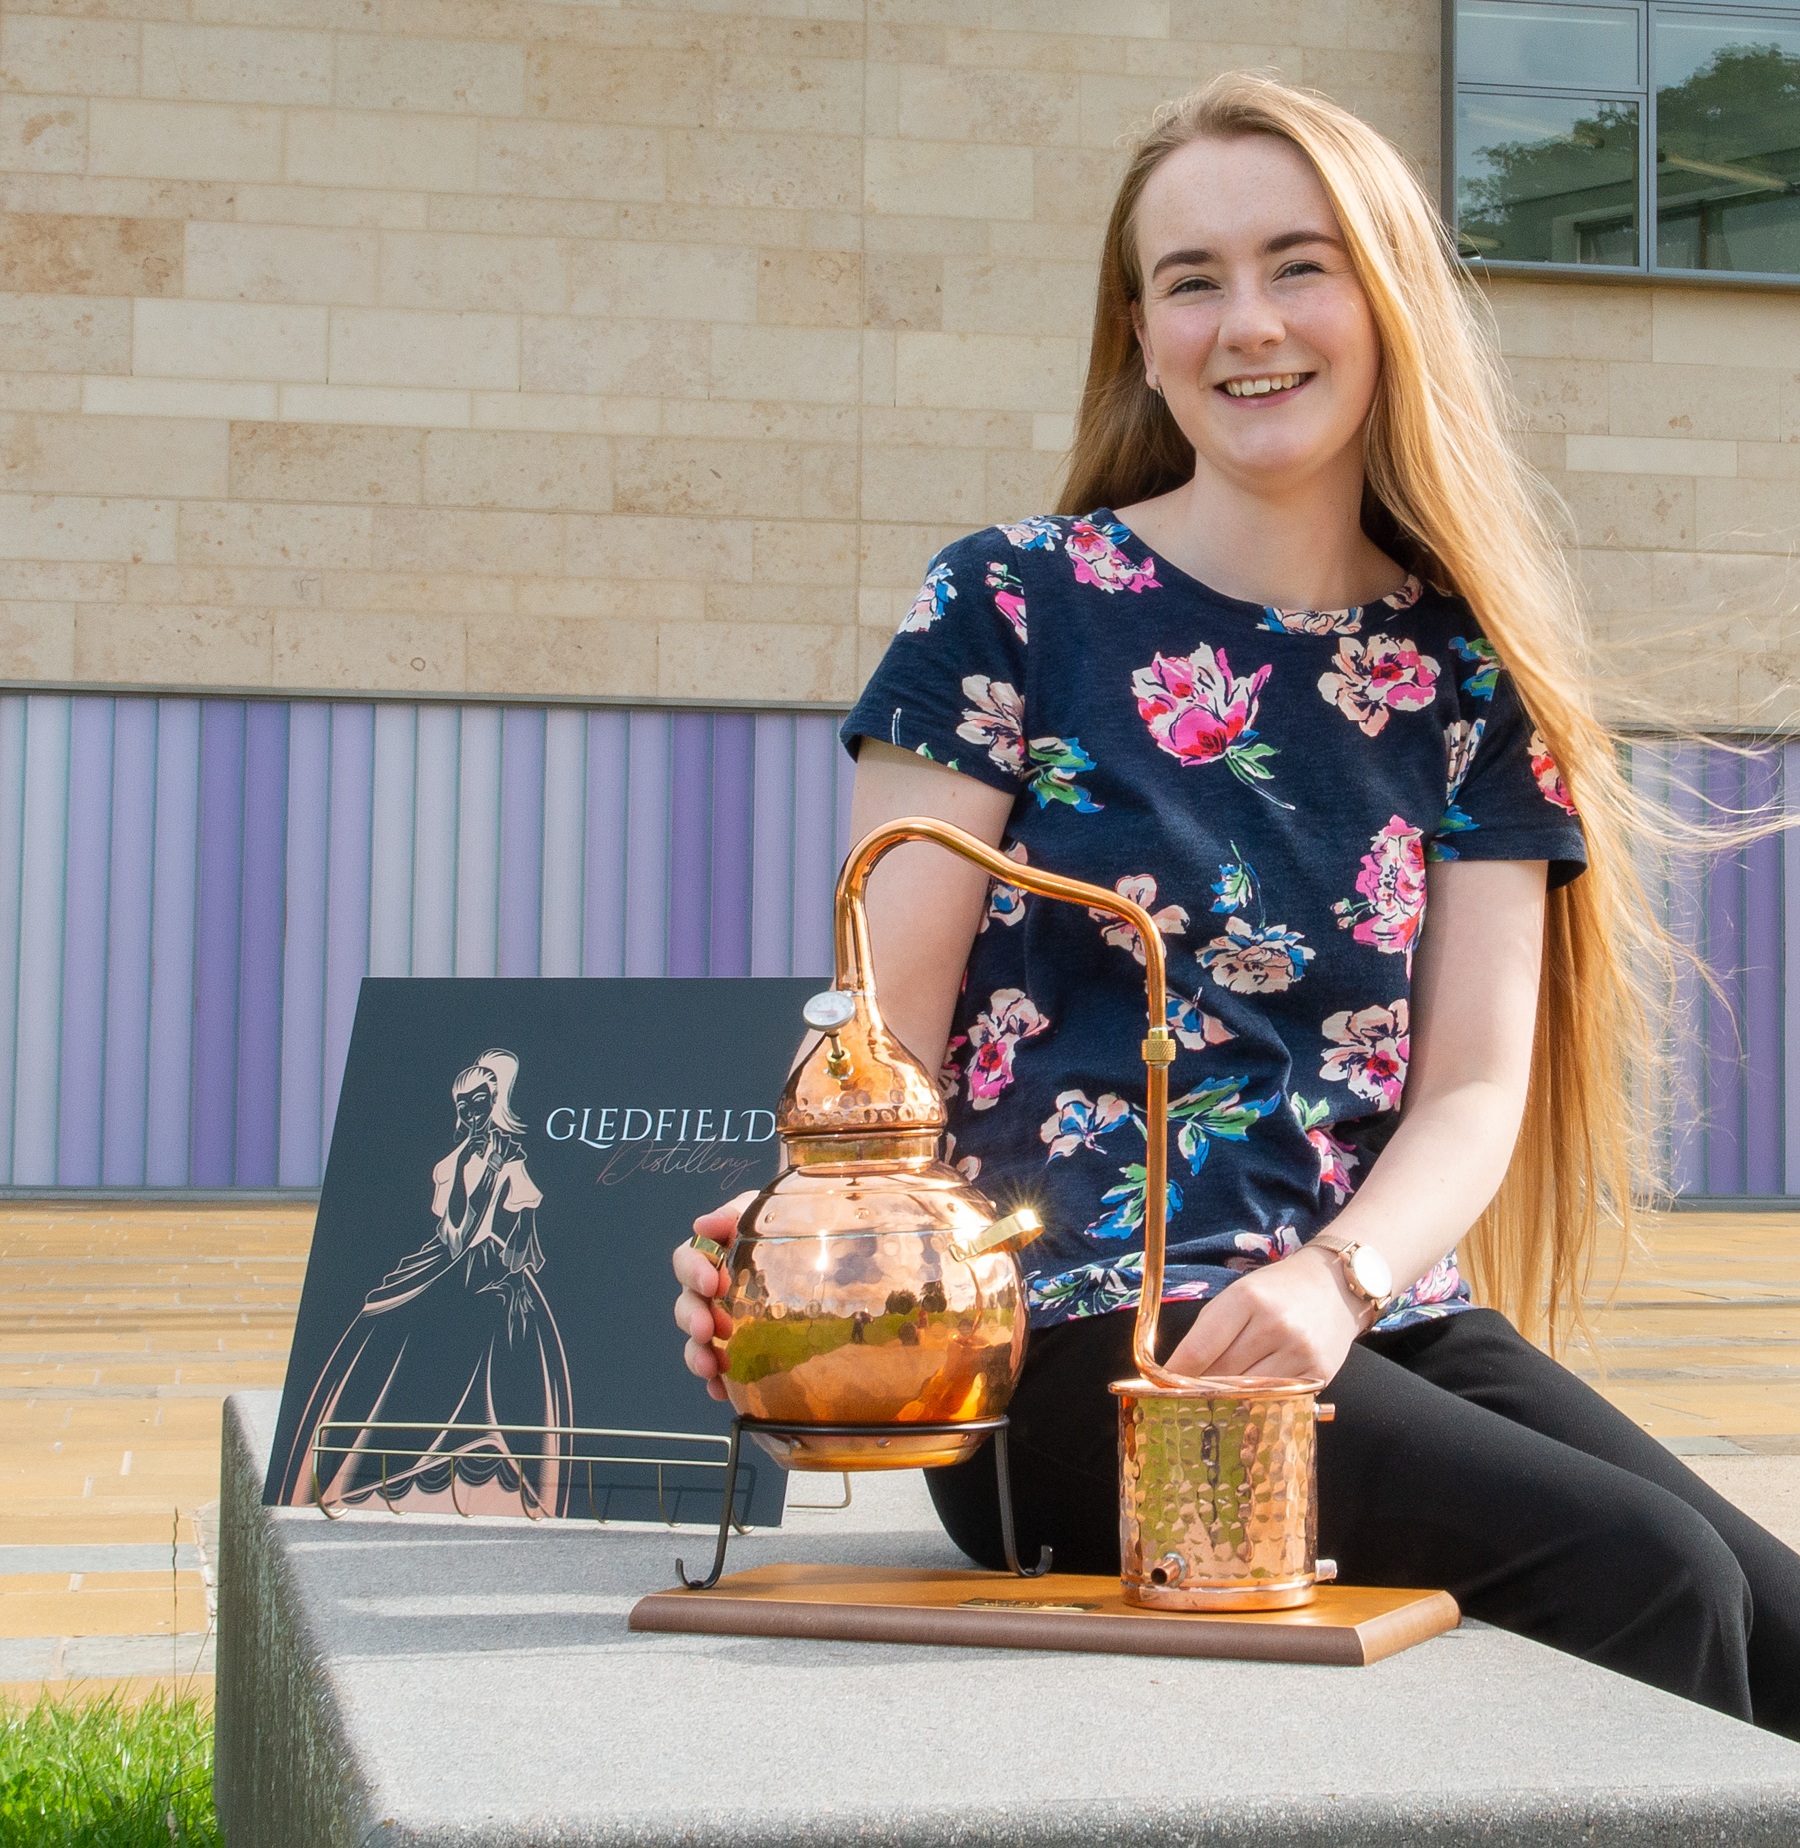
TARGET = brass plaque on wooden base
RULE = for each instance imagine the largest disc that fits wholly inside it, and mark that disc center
(1346, 1626)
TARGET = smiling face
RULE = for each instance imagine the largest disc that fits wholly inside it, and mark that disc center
(1252, 319)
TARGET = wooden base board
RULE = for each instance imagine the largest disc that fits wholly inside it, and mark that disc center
(1345, 1625)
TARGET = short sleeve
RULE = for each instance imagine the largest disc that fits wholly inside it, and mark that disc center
(951, 686)
(518, 1191)
(1505, 797)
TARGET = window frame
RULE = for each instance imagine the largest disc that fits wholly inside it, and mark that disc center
(1646, 268)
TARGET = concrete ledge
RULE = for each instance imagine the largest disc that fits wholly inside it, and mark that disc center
(441, 1684)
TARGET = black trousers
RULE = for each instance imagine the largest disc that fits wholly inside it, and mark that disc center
(1464, 1458)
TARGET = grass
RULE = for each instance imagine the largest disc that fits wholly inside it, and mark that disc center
(105, 1774)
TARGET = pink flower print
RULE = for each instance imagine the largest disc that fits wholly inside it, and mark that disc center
(1011, 1016)
(1140, 888)
(1370, 681)
(1392, 884)
(1336, 1158)
(1194, 1027)
(1369, 1053)
(1094, 552)
(1201, 713)
(969, 1167)
(1549, 777)
(949, 1076)
(1441, 1284)
(1256, 960)
(931, 602)
(1260, 1248)
(1337, 622)
(1009, 596)
(1006, 903)
(997, 720)
(1038, 534)
(1078, 1122)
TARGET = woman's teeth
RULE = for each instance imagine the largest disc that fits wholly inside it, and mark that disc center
(1258, 388)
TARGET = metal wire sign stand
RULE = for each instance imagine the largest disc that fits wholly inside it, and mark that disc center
(589, 1447)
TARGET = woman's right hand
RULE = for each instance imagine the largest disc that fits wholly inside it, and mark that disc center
(697, 1313)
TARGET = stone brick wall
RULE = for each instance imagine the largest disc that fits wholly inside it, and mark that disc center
(556, 348)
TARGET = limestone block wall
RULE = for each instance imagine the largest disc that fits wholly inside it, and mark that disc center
(554, 348)
(1668, 419)
(567, 349)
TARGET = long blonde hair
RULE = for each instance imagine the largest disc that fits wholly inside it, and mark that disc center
(1448, 496)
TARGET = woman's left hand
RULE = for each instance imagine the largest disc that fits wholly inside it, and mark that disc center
(1294, 1319)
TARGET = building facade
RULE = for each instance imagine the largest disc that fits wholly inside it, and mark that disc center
(432, 353)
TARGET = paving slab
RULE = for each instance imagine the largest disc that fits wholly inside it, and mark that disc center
(428, 1683)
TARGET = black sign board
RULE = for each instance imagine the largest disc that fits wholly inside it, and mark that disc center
(486, 1309)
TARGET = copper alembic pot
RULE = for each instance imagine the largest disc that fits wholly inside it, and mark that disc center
(871, 1285)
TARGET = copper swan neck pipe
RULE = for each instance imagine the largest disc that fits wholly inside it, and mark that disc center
(856, 974)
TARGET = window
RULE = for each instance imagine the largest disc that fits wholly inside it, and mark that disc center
(1627, 135)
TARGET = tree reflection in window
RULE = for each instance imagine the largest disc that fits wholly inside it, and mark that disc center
(1728, 164)
(1548, 179)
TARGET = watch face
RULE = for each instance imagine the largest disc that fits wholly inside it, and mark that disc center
(1374, 1276)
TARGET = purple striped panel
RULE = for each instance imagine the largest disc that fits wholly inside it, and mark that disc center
(772, 847)
(303, 947)
(38, 1047)
(436, 777)
(212, 1137)
(1687, 1085)
(565, 821)
(1724, 952)
(647, 844)
(129, 902)
(261, 913)
(88, 865)
(13, 710)
(521, 840)
(478, 842)
(815, 843)
(347, 901)
(603, 875)
(391, 841)
(168, 1107)
(690, 842)
(1764, 1111)
(733, 774)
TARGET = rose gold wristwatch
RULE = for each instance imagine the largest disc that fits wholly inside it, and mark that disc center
(1367, 1272)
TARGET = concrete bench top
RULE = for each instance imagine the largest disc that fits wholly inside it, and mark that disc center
(415, 1680)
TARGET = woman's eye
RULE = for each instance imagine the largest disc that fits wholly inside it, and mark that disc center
(1304, 267)
(1192, 285)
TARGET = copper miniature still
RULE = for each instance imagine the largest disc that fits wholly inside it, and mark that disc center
(877, 1306)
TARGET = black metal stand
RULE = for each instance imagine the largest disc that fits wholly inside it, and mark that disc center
(1002, 1473)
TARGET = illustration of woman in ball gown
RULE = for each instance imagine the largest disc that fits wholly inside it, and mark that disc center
(456, 1346)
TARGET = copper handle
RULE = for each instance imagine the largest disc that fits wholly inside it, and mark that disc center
(856, 972)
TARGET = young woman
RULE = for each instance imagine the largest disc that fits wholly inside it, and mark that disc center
(1298, 668)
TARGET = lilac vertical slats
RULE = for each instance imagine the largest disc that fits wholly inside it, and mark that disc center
(603, 872)
(815, 843)
(564, 824)
(434, 841)
(130, 886)
(303, 955)
(1723, 907)
(647, 844)
(12, 848)
(478, 842)
(262, 916)
(689, 835)
(168, 1106)
(39, 1041)
(1763, 1074)
(521, 895)
(347, 894)
(87, 878)
(846, 788)
(1687, 913)
(733, 783)
(212, 1137)
(391, 841)
(772, 847)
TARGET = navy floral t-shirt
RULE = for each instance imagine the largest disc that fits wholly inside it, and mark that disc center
(1269, 785)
